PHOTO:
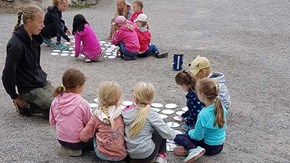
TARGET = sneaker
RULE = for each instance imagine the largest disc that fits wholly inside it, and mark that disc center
(194, 154)
(22, 111)
(161, 159)
(127, 58)
(69, 152)
(62, 47)
(57, 42)
(87, 60)
(158, 55)
(48, 41)
(180, 151)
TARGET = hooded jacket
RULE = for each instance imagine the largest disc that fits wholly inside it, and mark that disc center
(144, 37)
(54, 24)
(142, 145)
(109, 142)
(22, 66)
(70, 113)
(90, 43)
(129, 37)
(224, 93)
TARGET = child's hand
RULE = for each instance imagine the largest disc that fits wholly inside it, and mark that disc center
(68, 32)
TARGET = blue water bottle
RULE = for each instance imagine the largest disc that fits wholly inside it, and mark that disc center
(177, 62)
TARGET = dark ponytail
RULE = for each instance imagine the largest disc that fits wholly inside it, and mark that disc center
(185, 78)
(18, 21)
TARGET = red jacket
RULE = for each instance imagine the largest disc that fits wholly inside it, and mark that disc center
(144, 39)
(135, 15)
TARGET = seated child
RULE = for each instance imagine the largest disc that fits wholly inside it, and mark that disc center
(187, 82)
(54, 26)
(69, 112)
(145, 131)
(209, 133)
(106, 125)
(126, 38)
(200, 68)
(86, 41)
(137, 8)
(144, 37)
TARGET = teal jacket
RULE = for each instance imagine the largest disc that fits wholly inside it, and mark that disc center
(205, 129)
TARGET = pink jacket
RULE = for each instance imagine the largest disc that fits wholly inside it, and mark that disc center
(70, 113)
(90, 43)
(129, 37)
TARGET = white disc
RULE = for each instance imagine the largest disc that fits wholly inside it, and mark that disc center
(64, 54)
(127, 103)
(72, 55)
(178, 132)
(173, 124)
(71, 49)
(67, 43)
(112, 57)
(156, 105)
(93, 105)
(163, 116)
(179, 113)
(96, 100)
(102, 42)
(171, 106)
(170, 146)
(73, 52)
(167, 111)
(57, 51)
(184, 108)
(109, 51)
(54, 53)
(156, 109)
(65, 51)
(177, 118)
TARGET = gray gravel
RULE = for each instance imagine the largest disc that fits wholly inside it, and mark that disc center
(247, 40)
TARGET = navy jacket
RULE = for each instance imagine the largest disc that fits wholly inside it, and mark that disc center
(22, 66)
(194, 107)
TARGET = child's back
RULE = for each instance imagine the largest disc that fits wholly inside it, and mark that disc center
(144, 37)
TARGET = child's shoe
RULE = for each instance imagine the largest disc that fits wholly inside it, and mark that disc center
(180, 151)
(194, 154)
(87, 60)
(127, 58)
(161, 159)
(62, 47)
(68, 152)
(48, 41)
(158, 55)
(57, 42)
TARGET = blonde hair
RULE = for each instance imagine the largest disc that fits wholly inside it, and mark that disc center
(109, 94)
(143, 96)
(28, 12)
(203, 73)
(210, 89)
(124, 11)
(56, 2)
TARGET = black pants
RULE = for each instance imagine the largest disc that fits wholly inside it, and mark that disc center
(188, 143)
(160, 146)
(88, 146)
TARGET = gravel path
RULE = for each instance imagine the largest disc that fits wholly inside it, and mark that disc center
(247, 40)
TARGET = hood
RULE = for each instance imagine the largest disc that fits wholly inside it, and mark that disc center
(68, 102)
(219, 77)
(129, 114)
(37, 40)
(143, 29)
(114, 112)
(125, 28)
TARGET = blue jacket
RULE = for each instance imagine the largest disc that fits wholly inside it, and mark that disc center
(205, 129)
(194, 107)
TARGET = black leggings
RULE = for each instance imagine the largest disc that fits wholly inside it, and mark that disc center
(160, 146)
(188, 143)
(88, 146)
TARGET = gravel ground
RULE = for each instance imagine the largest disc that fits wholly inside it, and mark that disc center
(247, 40)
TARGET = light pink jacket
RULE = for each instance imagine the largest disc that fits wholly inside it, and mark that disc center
(69, 113)
(129, 38)
(90, 47)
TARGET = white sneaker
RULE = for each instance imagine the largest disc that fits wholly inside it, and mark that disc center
(160, 159)
(194, 154)
(87, 60)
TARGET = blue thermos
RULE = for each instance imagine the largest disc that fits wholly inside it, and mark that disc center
(177, 62)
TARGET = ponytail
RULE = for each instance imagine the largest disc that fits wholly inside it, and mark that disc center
(18, 21)
(109, 120)
(219, 113)
(185, 78)
(59, 90)
(139, 121)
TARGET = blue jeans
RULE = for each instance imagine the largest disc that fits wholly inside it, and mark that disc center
(101, 156)
(151, 49)
(58, 36)
(124, 51)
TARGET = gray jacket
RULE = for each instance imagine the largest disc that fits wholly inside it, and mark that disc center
(224, 93)
(142, 145)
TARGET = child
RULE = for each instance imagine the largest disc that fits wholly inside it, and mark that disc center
(145, 131)
(187, 82)
(209, 133)
(106, 125)
(137, 8)
(126, 38)
(85, 34)
(53, 23)
(200, 68)
(144, 37)
(123, 9)
(70, 113)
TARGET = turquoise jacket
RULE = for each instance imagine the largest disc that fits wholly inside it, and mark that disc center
(205, 129)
